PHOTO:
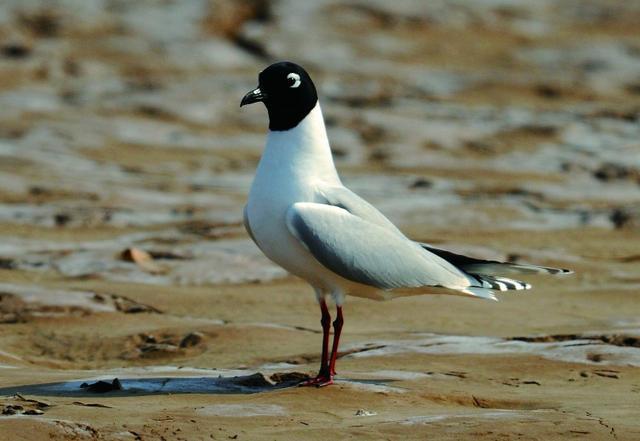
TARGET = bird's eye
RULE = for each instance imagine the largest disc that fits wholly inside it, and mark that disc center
(294, 80)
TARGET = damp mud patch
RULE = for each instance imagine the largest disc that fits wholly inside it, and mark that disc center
(22, 303)
(20, 405)
(93, 350)
(489, 415)
(614, 339)
(210, 384)
(241, 410)
(587, 348)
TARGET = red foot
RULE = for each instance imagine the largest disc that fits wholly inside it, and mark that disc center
(319, 381)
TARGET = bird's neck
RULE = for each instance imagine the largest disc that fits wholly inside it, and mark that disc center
(302, 150)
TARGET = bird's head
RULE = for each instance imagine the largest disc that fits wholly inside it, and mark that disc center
(288, 93)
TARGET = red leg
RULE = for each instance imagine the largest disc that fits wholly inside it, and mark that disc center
(324, 375)
(325, 321)
(337, 329)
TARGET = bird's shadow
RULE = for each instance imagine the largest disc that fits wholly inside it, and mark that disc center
(243, 384)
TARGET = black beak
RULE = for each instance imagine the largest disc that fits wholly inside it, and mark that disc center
(253, 97)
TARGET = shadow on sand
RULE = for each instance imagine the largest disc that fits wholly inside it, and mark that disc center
(245, 384)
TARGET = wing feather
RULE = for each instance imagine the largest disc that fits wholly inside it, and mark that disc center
(367, 253)
(491, 267)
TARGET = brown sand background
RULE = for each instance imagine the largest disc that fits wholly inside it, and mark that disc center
(500, 128)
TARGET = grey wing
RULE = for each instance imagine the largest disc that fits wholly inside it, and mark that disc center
(344, 198)
(367, 253)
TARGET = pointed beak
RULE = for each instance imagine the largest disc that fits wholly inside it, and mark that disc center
(253, 97)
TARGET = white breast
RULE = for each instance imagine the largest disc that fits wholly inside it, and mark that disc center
(294, 162)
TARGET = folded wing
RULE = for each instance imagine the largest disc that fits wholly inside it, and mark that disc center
(344, 198)
(491, 267)
(368, 253)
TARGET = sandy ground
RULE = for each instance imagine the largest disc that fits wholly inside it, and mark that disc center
(502, 129)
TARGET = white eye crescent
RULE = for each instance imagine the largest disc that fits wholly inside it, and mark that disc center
(296, 79)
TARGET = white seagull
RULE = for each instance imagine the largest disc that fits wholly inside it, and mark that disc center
(302, 218)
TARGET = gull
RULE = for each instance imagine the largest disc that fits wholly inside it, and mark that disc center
(304, 219)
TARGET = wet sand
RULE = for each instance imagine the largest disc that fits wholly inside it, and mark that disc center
(506, 131)
(442, 367)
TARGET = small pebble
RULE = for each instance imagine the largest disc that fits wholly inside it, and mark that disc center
(191, 339)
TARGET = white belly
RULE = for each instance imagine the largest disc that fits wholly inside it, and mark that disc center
(266, 212)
